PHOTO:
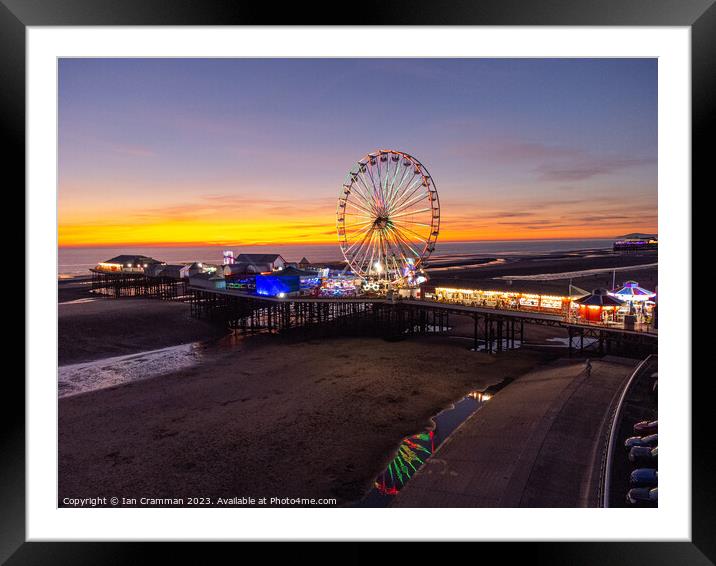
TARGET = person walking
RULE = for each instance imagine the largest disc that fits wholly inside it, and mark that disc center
(588, 367)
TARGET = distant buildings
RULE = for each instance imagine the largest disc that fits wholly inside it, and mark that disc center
(636, 242)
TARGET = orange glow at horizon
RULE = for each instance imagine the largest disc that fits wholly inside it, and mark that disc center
(306, 230)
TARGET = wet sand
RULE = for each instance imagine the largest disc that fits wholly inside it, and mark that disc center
(269, 418)
(105, 327)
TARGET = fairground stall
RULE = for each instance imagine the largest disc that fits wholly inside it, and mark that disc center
(598, 306)
(337, 285)
(637, 301)
(501, 299)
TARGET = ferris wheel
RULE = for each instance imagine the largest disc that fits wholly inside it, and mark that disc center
(388, 217)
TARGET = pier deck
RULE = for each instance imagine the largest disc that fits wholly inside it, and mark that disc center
(494, 329)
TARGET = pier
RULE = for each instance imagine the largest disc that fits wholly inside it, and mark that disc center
(127, 284)
(496, 329)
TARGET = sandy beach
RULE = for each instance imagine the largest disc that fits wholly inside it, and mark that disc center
(266, 418)
(102, 327)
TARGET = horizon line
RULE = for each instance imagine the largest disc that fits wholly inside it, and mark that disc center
(319, 243)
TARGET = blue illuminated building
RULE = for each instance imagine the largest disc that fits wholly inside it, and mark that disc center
(275, 285)
(286, 281)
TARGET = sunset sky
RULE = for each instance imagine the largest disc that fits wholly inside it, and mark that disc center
(242, 151)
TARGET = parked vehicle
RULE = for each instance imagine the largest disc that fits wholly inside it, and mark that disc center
(646, 427)
(643, 496)
(651, 440)
(643, 455)
(644, 477)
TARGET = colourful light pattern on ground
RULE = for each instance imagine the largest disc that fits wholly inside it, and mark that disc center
(412, 453)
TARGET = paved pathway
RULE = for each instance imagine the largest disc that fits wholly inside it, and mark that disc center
(537, 443)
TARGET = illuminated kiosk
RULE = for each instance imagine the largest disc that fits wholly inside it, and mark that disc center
(598, 306)
(639, 301)
(388, 220)
(632, 293)
(502, 299)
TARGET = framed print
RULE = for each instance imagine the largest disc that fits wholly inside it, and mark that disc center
(408, 277)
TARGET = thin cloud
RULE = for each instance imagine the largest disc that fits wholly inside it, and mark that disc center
(587, 169)
(511, 151)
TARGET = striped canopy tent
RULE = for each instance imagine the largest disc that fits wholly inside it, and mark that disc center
(594, 305)
(632, 293)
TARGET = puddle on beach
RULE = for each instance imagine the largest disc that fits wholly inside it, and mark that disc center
(414, 450)
(506, 345)
(575, 341)
(118, 370)
(81, 301)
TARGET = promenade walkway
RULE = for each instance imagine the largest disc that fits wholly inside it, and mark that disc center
(537, 443)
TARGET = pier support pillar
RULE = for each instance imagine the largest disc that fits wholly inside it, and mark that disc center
(474, 339)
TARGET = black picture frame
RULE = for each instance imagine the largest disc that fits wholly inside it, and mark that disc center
(699, 15)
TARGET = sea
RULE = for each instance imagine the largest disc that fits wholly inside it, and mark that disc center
(76, 261)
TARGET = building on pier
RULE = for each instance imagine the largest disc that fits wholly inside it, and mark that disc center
(177, 270)
(126, 264)
(263, 262)
(288, 282)
(207, 280)
(243, 268)
(598, 306)
(155, 269)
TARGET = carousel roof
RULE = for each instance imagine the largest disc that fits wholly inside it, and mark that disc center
(599, 297)
(632, 292)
